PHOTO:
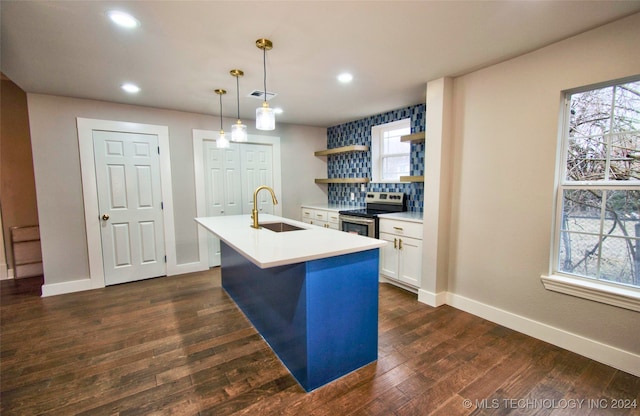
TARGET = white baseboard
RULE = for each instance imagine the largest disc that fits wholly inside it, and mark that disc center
(65, 287)
(383, 279)
(196, 266)
(432, 299)
(606, 354)
(85, 284)
(5, 272)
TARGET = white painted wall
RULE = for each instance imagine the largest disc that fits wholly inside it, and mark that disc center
(59, 189)
(505, 137)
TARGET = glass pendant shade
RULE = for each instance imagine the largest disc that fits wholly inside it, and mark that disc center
(222, 142)
(265, 118)
(239, 132)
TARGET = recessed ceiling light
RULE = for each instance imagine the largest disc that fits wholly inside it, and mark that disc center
(345, 77)
(278, 110)
(123, 19)
(130, 88)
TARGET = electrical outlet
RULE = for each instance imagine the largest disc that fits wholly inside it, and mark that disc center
(363, 188)
(353, 196)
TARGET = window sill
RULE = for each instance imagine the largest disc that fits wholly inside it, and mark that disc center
(621, 297)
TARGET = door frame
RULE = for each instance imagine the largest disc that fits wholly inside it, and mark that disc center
(86, 127)
(199, 136)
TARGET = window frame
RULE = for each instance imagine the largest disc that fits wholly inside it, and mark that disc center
(377, 135)
(603, 291)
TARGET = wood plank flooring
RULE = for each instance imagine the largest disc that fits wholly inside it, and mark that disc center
(179, 346)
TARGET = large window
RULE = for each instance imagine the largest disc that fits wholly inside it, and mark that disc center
(597, 234)
(391, 158)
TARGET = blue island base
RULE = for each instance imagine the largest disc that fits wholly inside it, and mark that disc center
(320, 317)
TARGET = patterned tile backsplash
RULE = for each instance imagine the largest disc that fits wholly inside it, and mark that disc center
(358, 164)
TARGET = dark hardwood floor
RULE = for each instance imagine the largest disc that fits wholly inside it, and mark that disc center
(178, 345)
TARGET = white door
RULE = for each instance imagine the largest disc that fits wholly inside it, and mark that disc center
(129, 199)
(223, 188)
(257, 170)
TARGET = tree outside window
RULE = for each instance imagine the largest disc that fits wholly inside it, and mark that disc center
(599, 192)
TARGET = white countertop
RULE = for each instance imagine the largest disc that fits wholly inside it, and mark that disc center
(266, 248)
(404, 216)
(331, 207)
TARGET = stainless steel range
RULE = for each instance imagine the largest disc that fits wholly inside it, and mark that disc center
(365, 221)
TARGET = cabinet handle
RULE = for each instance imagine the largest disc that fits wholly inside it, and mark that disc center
(398, 228)
(400, 243)
(395, 243)
(319, 215)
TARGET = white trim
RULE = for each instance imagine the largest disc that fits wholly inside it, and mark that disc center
(90, 197)
(607, 354)
(198, 166)
(5, 272)
(192, 267)
(409, 288)
(376, 152)
(199, 136)
(621, 297)
(67, 287)
(432, 299)
(592, 289)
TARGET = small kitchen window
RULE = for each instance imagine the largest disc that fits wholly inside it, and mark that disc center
(390, 157)
(597, 219)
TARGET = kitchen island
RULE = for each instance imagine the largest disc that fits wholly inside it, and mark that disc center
(312, 293)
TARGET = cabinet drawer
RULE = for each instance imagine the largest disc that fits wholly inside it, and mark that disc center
(333, 218)
(307, 214)
(402, 228)
(320, 215)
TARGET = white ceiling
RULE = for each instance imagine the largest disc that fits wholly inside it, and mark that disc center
(183, 50)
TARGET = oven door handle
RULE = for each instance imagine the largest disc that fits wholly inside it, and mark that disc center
(357, 220)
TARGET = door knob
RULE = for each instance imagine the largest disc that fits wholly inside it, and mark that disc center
(105, 217)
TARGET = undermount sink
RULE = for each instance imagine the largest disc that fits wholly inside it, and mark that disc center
(280, 227)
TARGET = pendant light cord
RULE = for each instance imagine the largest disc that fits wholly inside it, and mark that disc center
(220, 112)
(238, 94)
(264, 67)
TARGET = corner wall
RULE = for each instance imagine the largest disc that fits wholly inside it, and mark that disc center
(505, 140)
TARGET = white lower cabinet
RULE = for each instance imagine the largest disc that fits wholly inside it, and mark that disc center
(401, 258)
(320, 217)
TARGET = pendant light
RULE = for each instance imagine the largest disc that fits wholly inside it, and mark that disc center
(265, 117)
(238, 130)
(222, 141)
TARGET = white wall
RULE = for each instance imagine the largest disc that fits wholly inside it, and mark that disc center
(505, 137)
(59, 189)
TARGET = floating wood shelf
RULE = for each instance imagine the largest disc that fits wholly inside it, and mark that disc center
(343, 180)
(343, 149)
(412, 178)
(415, 137)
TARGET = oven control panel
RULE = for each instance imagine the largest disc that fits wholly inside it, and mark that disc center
(396, 198)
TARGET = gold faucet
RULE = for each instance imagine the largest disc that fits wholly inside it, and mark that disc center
(254, 212)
